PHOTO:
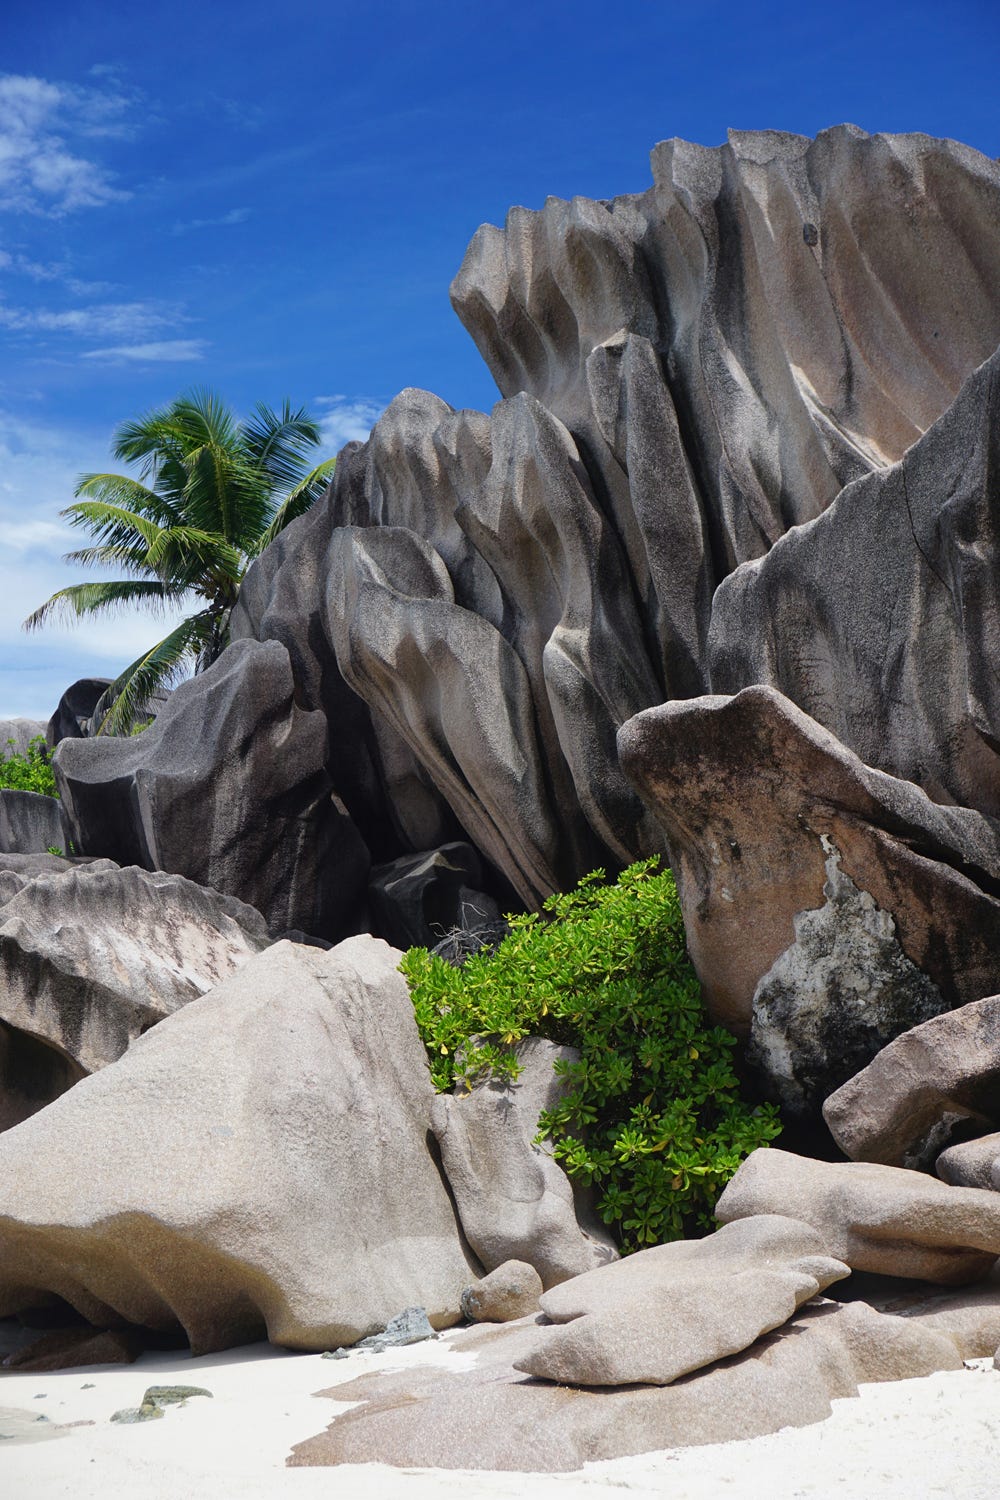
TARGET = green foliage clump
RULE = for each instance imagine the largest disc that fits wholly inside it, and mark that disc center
(30, 772)
(652, 1114)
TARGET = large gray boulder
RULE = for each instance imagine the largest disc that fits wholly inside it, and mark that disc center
(872, 1217)
(19, 870)
(796, 298)
(17, 734)
(881, 618)
(939, 1078)
(513, 1198)
(31, 823)
(229, 788)
(512, 715)
(828, 907)
(664, 1312)
(91, 957)
(257, 1163)
(689, 376)
(73, 716)
(381, 785)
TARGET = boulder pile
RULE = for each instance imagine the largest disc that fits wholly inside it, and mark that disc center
(716, 580)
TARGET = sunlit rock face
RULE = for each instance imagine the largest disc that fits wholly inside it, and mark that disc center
(687, 375)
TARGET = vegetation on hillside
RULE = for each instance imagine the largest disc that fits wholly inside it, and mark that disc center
(30, 771)
(652, 1115)
(210, 494)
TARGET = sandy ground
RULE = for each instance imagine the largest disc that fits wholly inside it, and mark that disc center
(911, 1440)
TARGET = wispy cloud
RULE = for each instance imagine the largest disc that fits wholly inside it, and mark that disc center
(122, 320)
(168, 351)
(41, 170)
(346, 419)
(33, 536)
(234, 216)
(57, 271)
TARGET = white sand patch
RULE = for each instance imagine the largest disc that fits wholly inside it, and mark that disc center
(911, 1440)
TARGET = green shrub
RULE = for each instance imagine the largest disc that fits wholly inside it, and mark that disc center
(30, 772)
(652, 1116)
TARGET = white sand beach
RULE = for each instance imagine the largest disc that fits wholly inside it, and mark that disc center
(908, 1440)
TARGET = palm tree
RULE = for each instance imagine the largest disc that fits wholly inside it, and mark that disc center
(211, 493)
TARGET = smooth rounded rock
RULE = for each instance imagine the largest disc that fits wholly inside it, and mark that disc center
(510, 1291)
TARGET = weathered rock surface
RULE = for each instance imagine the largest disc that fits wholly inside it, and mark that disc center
(30, 823)
(514, 1200)
(257, 1163)
(796, 296)
(675, 1308)
(19, 870)
(903, 1107)
(510, 1291)
(974, 1164)
(382, 786)
(453, 689)
(873, 1217)
(69, 1348)
(92, 957)
(897, 663)
(416, 900)
(17, 734)
(489, 1417)
(229, 788)
(688, 374)
(75, 709)
(827, 906)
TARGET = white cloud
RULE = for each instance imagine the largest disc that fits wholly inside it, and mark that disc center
(169, 351)
(40, 172)
(30, 536)
(346, 419)
(53, 271)
(102, 320)
(234, 216)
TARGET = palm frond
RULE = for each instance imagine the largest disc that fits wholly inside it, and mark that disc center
(201, 419)
(107, 555)
(302, 497)
(127, 493)
(93, 598)
(224, 494)
(128, 696)
(203, 559)
(278, 443)
(112, 524)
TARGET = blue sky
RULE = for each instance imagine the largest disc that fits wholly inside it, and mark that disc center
(272, 199)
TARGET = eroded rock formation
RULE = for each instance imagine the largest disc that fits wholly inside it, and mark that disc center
(513, 1198)
(228, 787)
(716, 577)
(873, 1217)
(789, 1378)
(258, 1165)
(91, 956)
(827, 906)
(707, 392)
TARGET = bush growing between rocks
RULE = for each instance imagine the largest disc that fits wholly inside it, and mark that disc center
(652, 1115)
(30, 772)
